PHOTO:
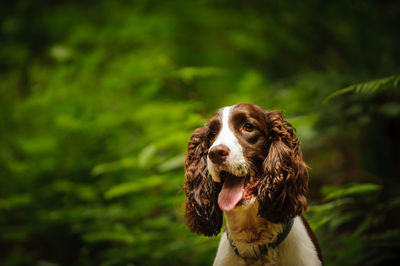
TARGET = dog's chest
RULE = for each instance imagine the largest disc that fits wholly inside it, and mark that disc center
(250, 235)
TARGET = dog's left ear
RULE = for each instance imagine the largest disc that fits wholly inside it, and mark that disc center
(201, 211)
(282, 189)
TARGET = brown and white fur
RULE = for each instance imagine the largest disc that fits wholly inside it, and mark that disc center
(247, 163)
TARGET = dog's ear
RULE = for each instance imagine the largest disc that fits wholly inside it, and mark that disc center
(201, 212)
(282, 189)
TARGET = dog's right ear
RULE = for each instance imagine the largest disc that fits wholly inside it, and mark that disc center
(201, 212)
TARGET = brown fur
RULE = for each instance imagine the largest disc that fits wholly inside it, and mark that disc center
(202, 212)
(282, 189)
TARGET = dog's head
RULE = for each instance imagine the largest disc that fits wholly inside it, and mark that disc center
(243, 152)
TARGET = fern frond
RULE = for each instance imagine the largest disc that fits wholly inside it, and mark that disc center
(369, 87)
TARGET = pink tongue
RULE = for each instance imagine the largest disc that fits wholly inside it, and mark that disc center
(231, 193)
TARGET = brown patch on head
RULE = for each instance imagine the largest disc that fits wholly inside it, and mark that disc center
(213, 127)
(272, 150)
(251, 130)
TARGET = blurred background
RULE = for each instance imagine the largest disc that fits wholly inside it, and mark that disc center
(98, 100)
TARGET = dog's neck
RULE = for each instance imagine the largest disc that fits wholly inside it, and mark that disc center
(247, 228)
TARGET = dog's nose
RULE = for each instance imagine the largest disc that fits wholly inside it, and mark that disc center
(218, 153)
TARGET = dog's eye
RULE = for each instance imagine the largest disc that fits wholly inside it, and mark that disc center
(248, 127)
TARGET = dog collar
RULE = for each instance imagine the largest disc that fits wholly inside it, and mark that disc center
(264, 247)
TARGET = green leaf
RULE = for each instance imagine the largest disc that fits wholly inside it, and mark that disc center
(124, 163)
(15, 201)
(343, 218)
(147, 155)
(369, 87)
(172, 164)
(108, 236)
(190, 73)
(133, 187)
(350, 190)
(331, 206)
(390, 109)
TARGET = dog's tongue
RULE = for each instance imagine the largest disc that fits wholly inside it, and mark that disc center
(231, 193)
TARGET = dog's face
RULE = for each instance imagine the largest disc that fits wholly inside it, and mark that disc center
(243, 152)
(238, 144)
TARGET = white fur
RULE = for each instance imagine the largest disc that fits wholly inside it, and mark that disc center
(225, 254)
(235, 162)
(296, 250)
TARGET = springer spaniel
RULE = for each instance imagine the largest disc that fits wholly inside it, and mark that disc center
(247, 163)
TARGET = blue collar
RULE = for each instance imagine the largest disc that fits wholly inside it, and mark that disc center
(264, 247)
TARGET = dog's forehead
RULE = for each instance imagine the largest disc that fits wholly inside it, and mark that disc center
(250, 110)
(220, 114)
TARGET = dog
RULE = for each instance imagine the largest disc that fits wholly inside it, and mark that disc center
(246, 163)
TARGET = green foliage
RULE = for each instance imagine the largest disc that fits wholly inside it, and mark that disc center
(98, 101)
(369, 87)
(334, 193)
(358, 214)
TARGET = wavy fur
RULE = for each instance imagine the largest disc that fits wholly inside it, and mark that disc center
(202, 212)
(282, 189)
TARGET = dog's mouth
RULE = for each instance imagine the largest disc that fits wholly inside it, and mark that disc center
(236, 190)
